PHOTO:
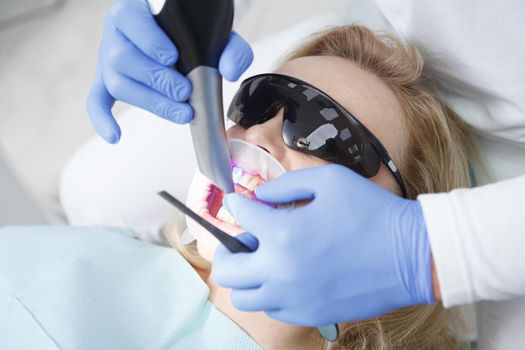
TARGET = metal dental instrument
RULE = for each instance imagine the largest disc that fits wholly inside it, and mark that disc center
(231, 243)
(200, 30)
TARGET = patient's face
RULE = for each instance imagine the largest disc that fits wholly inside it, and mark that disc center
(360, 92)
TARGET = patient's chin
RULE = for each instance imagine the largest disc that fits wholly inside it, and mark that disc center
(206, 248)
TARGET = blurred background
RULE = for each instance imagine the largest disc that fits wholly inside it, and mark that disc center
(48, 54)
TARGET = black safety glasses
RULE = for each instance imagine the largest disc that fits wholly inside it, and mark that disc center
(313, 123)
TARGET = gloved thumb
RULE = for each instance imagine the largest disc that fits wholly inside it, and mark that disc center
(251, 215)
(291, 187)
(236, 58)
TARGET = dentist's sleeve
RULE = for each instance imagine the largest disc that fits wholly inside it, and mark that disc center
(477, 237)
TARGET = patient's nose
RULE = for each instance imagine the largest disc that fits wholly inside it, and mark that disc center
(268, 136)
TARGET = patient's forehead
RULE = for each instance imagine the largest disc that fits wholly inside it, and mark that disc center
(363, 94)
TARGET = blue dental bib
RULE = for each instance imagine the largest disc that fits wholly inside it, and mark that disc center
(91, 288)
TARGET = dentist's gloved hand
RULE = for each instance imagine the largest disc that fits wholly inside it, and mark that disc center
(354, 252)
(135, 66)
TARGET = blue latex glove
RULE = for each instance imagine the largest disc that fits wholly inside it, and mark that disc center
(356, 251)
(135, 66)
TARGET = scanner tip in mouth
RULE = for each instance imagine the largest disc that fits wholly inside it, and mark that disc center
(245, 183)
(251, 167)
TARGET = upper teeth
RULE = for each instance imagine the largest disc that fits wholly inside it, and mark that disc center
(250, 182)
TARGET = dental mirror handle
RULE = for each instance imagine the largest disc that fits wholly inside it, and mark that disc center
(200, 29)
(231, 243)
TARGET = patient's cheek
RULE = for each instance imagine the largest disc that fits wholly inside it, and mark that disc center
(235, 131)
(385, 179)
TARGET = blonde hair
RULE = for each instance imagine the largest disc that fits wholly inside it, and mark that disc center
(436, 160)
(438, 147)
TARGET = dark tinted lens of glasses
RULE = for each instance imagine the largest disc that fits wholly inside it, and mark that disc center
(312, 123)
(256, 102)
(315, 125)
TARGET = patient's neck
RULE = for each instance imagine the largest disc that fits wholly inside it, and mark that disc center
(269, 334)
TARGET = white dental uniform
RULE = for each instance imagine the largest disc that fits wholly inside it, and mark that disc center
(477, 49)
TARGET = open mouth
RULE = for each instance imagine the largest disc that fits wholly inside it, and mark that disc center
(251, 167)
(245, 183)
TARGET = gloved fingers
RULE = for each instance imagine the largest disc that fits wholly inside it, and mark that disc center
(134, 19)
(128, 60)
(236, 58)
(250, 214)
(132, 92)
(231, 271)
(99, 105)
(304, 184)
(253, 300)
(236, 270)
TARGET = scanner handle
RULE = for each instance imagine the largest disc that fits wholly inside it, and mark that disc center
(199, 28)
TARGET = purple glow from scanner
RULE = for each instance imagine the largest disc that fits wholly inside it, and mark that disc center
(237, 174)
